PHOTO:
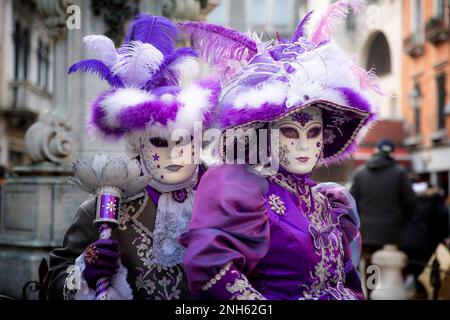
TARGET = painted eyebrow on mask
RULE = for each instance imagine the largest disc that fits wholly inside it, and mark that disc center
(312, 124)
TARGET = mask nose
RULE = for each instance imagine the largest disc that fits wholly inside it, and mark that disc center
(302, 145)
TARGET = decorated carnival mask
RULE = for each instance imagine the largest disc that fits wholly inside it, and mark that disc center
(168, 161)
(300, 140)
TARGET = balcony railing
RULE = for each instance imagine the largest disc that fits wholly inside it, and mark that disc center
(25, 102)
(437, 30)
(412, 141)
(26, 97)
(414, 45)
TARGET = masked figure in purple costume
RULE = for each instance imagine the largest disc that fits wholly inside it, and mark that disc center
(281, 236)
(153, 104)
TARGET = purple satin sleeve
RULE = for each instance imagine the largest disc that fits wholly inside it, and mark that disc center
(344, 208)
(229, 224)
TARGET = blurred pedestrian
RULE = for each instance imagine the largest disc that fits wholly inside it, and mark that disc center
(427, 227)
(2, 175)
(385, 199)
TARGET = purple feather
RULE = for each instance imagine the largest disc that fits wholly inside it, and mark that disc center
(300, 30)
(158, 31)
(97, 118)
(354, 99)
(219, 45)
(163, 78)
(99, 68)
(138, 117)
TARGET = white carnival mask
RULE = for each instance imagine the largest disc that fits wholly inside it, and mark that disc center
(168, 162)
(300, 140)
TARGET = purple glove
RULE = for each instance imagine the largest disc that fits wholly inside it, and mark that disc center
(101, 259)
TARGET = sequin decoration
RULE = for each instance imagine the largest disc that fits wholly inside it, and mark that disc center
(302, 117)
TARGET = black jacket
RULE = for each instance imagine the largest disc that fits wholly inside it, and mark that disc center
(385, 200)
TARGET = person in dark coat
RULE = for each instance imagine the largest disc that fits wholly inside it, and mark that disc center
(384, 197)
(385, 200)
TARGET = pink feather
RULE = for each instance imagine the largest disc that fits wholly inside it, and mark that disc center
(368, 79)
(335, 15)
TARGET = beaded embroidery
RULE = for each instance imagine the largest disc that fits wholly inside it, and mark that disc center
(276, 204)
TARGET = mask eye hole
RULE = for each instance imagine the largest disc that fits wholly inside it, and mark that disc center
(290, 133)
(159, 142)
(184, 141)
(314, 132)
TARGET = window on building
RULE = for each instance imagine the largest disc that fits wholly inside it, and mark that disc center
(439, 9)
(220, 13)
(441, 97)
(416, 111)
(259, 14)
(21, 52)
(281, 14)
(417, 122)
(379, 55)
(417, 16)
(43, 64)
(17, 49)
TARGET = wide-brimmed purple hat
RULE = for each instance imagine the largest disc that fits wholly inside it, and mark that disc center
(146, 77)
(266, 81)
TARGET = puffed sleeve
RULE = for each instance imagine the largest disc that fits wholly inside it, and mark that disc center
(228, 234)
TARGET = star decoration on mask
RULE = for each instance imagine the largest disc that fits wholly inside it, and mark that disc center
(156, 157)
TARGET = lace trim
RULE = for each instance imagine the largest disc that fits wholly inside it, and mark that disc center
(172, 219)
(72, 283)
(76, 287)
(217, 277)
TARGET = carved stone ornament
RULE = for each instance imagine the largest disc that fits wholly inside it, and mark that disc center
(181, 9)
(49, 140)
(55, 15)
(115, 14)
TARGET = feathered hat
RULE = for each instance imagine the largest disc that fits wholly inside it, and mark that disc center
(145, 76)
(266, 81)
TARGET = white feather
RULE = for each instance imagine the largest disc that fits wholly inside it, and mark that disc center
(185, 68)
(137, 62)
(114, 103)
(103, 48)
(194, 101)
(254, 98)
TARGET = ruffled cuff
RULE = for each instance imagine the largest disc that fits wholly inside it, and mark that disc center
(230, 284)
(76, 287)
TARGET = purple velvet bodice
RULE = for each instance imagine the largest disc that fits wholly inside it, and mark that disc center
(278, 238)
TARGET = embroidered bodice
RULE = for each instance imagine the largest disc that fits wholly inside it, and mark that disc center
(307, 231)
(285, 237)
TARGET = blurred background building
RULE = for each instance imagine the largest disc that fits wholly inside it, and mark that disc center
(426, 104)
